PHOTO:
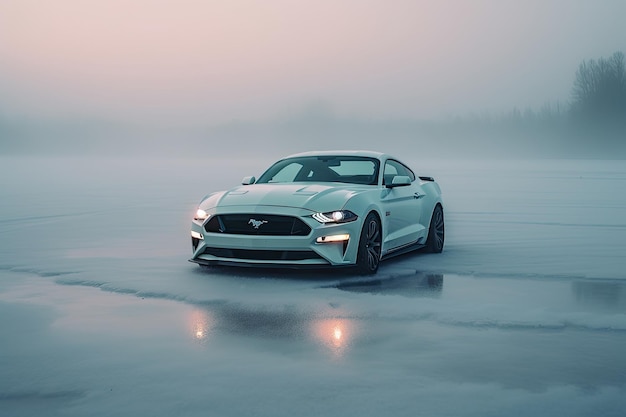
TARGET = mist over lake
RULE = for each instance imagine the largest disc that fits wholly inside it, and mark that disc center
(118, 117)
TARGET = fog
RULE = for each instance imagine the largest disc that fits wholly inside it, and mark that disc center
(117, 116)
(175, 77)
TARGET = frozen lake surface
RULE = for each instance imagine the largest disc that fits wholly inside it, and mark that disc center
(101, 314)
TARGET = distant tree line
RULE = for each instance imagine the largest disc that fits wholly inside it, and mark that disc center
(599, 92)
(598, 96)
(595, 116)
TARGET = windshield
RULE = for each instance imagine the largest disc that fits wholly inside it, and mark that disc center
(347, 169)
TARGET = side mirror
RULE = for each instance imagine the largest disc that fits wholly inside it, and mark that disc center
(399, 181)
(248, 180)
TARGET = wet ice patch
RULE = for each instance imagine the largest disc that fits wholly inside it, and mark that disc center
(418, 284)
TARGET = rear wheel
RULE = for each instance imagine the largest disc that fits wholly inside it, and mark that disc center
(370, 243)
(436, 231)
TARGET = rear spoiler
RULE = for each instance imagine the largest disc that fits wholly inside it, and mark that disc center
(431, 179)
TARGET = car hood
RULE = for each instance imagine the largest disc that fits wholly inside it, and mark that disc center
(314, 197)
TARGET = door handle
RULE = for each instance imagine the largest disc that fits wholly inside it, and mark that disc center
(418, 195)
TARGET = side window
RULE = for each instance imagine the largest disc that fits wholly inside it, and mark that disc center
(408, 172)
(393, 168)
(389, 173)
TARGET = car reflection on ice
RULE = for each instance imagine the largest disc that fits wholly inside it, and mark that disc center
(334, 334)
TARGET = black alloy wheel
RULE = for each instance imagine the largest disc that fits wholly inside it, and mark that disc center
(370, 242)
(436, 231)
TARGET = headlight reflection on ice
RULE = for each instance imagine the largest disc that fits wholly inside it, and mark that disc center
(200, 324)
(335, 334)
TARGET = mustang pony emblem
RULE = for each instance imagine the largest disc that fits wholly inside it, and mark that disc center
(257, 223)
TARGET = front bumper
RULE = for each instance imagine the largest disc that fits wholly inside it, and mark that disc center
(312, 250)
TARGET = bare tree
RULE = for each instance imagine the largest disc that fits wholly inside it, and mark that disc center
(599, 91)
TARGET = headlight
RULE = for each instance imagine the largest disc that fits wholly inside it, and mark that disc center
(339, 216)
(201, 215)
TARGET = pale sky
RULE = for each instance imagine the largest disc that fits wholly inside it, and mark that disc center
(210, 61)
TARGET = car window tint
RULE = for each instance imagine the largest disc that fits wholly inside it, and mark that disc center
(394, 168)
(355, 168)
(347, 169)
(287, 174)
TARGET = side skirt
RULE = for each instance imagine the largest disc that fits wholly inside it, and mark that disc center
(404, 249)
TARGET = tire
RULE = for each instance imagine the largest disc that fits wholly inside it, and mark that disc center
(436, 231)
(370, 243)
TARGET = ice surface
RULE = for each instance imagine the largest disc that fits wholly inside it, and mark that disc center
(100, 313)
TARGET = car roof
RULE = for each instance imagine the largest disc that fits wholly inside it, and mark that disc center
(370, 154)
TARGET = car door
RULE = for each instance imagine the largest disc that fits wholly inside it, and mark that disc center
(402, 207)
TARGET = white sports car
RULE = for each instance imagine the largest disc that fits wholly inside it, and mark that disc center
(331, 208)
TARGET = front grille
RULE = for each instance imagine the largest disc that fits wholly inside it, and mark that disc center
(257, 224)
(262, 255)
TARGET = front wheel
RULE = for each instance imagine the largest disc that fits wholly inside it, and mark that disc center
(436, 231)
(370, 243)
